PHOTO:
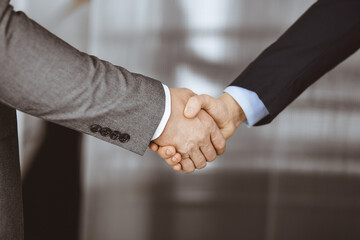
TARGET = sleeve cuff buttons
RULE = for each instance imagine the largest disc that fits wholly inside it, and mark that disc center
(114, 135)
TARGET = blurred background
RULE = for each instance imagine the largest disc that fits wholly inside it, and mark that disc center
(297, 178)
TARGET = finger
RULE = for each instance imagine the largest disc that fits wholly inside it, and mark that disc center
(198, 158)
(216, 137)
(187, 165)
(166, 152)
(153, 146)
(218, 140)
(172, 161)
(209, 152)
(196, 103)
(177, 167)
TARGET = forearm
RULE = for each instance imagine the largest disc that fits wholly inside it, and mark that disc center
(324, 36)
(45, 77)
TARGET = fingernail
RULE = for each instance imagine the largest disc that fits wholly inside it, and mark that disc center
(188, 110)
(174, 159)
(168, 152)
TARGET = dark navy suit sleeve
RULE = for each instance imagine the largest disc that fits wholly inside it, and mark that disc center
(326, 34)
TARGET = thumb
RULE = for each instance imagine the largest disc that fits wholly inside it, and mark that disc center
(195, 104)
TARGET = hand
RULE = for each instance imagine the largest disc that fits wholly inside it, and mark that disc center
(169, 154)
(226, 112)
(198, 140)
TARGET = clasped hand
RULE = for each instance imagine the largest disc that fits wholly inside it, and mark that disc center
(197, 129)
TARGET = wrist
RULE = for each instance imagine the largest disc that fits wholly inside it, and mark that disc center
(166, 114)
(237, 113)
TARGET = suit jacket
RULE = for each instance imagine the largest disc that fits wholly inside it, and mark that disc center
(324, 36)
(45, 77)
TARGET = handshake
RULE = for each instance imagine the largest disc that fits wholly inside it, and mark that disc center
(197, 129)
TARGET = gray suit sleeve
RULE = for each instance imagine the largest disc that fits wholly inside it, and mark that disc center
(45, 77)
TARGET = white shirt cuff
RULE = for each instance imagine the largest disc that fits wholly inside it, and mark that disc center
(166, 115)
(250, 103)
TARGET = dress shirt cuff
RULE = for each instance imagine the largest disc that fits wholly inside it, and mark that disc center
(166, 115)
(250, 103)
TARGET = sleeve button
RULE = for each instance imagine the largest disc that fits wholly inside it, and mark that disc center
(95, 128)
(115, 135)
(105, 131)
(124, 138)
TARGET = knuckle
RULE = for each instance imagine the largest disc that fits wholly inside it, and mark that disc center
(189, 91)
(207, 122)
(191, 170)
(211, 157)
(204, 97)
(221, 146)
(189, 167)
(201, 165)
(190, 146)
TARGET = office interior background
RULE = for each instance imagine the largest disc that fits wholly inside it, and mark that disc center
(296, 178)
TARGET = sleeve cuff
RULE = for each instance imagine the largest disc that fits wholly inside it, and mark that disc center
(250, 103)
(166, 115)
